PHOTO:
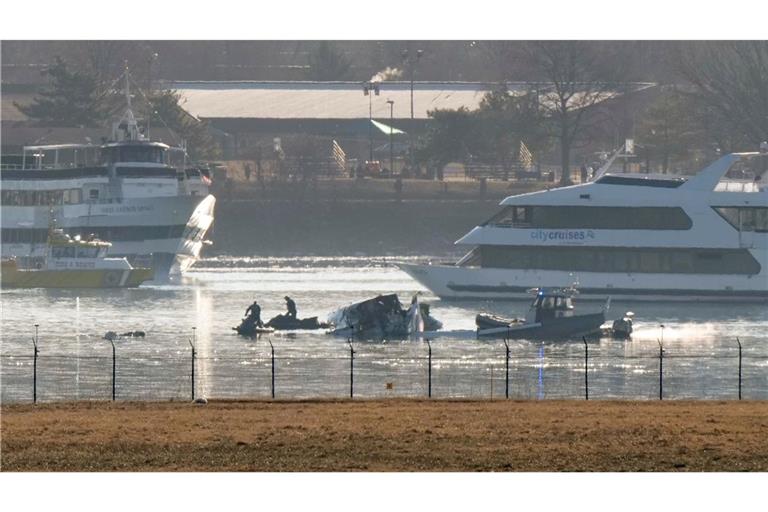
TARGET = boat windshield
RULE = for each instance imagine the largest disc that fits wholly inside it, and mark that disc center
(63, 252)
(87, 252)
(552, 302)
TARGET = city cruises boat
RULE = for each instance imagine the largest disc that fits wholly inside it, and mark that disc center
(630, 236)
(552, 315)
(74, 263)
(138, 194)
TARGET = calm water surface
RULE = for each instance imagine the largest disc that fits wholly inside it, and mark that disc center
(75, 362)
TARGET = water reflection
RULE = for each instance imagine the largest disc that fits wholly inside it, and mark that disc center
(72, 325)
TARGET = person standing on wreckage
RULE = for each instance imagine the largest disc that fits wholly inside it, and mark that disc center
(291, 307)
(253, 314)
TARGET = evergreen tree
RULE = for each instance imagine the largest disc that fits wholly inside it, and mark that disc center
(71, 99)
(167, 111)
(452, 136)
(670, 128)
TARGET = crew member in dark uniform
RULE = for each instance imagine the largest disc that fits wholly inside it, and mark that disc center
(254, 314)
(291, 307)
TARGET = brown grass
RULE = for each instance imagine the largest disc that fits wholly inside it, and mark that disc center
(390, 435)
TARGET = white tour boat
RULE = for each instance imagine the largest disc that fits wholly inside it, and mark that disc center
(137, 194)
(630, 236)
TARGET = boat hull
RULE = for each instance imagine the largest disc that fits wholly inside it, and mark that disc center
(85, 278)
(552, 329)
(455, 282)
(165, 233)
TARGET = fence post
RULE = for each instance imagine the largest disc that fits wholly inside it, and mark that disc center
(661, 370)
(114, 365)
(586, 368)
(191, 344)
(272, 349)
(34, 367)
(351, 369)
(506, 369)
(739, 342)
(429, 369)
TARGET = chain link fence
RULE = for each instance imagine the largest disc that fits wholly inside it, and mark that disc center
(289, 369)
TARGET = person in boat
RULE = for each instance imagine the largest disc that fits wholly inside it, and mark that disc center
(291, 307)
(253, 315)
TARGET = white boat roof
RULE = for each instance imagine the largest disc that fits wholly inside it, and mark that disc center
(135, 143)
(56, 147)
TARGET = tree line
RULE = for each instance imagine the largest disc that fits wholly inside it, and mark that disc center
(714, 99)
(80, 97)
(716, 103)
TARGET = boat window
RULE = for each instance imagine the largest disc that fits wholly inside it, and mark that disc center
(620, 259)
(24, 236)
(640, 181)
(548, 303)
(591, 217)
(93, 194)
(747, 218)
(87, 252)
(63, 252)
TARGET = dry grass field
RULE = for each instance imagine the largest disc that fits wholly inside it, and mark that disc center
(390, 435)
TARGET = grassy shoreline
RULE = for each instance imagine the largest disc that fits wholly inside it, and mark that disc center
(386, 435)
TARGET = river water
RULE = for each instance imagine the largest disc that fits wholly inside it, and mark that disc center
(701, 355)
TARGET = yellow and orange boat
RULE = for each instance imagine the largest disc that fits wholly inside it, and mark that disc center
(74, 263)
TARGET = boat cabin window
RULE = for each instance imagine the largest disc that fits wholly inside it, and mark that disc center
(592, 217)
(63, 252)
(134, 153)
(93, 194)
(87, 252)
(656, 260)
(746, 218)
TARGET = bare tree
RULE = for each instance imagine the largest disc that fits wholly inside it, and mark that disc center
(731, 78)
(577, 75)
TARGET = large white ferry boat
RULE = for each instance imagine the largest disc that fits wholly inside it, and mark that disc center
(137, 194)
(630, 236)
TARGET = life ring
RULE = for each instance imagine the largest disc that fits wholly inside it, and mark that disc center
(112, 278)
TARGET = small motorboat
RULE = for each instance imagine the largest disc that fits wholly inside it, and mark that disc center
(74, 262)
(551, 315)
(289, 323)
(383, 317)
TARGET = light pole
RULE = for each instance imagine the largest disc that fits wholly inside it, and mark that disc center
(391, 148)
(367, 88)
(152, 59)
(412, 59)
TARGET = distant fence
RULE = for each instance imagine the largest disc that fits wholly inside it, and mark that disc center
(266, 369)
(512, 172)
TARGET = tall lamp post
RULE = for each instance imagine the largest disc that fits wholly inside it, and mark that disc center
(152, 59)
(411, 59)
(391, 148)
(369, 87)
